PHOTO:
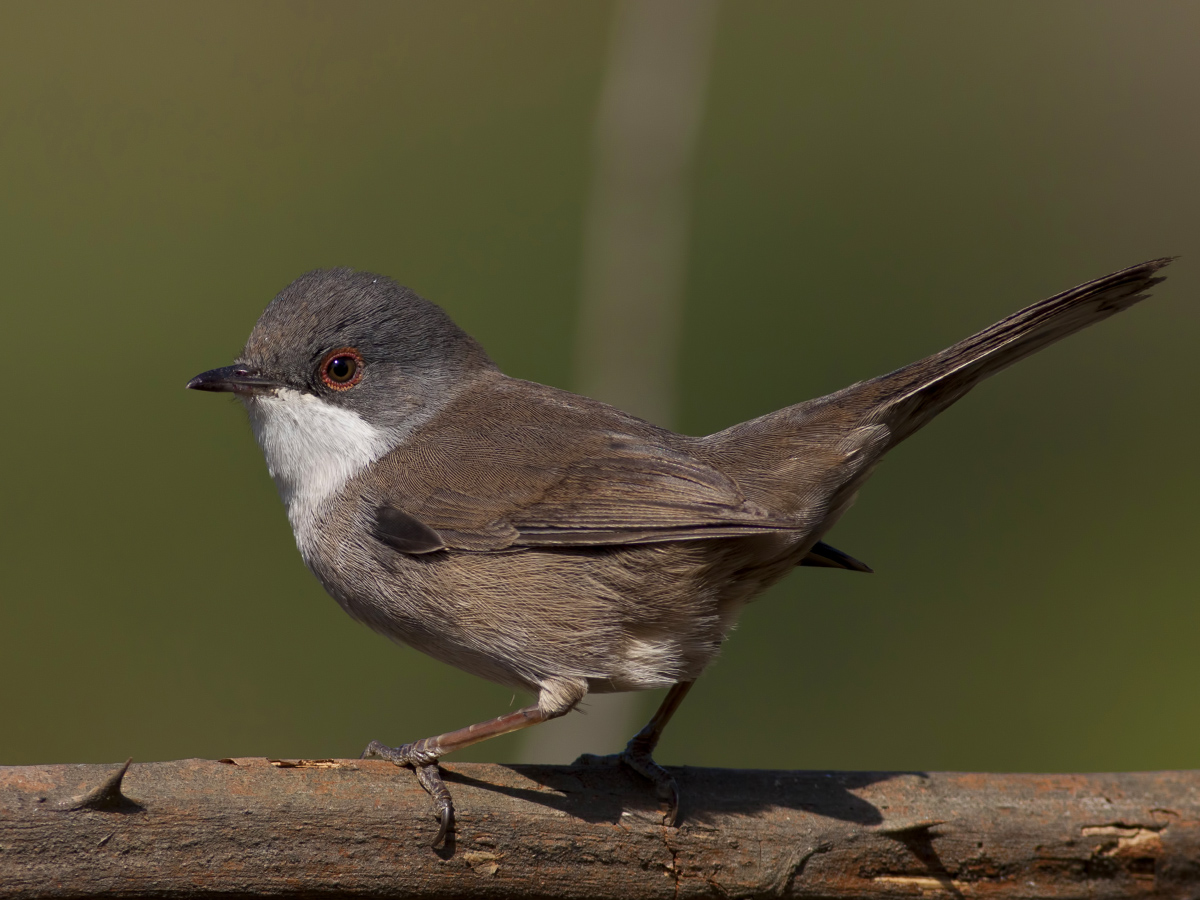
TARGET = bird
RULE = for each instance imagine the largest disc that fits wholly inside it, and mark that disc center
(549, 542)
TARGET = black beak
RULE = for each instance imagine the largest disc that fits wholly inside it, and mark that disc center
(237, 379)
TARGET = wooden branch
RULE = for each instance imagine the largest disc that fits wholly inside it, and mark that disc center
(358, 828)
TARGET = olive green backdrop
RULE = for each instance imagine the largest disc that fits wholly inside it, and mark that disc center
(873, 181)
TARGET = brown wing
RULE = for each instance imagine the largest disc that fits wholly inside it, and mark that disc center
(514, 464)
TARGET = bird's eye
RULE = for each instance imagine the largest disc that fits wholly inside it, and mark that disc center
(341, 369)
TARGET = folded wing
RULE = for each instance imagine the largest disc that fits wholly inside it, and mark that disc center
(503, 468)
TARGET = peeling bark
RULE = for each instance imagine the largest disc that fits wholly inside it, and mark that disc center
(354, 828)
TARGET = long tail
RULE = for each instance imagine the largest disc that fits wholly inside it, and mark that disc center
(808, 460)
(908, 398)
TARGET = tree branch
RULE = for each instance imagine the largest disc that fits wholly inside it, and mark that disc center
(354, 828)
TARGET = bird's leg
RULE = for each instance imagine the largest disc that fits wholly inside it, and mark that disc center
(639, 752)
(421, 756)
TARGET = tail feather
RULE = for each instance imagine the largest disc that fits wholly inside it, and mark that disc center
(808, 460)
(908, 398)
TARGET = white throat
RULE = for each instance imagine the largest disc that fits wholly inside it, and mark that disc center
(312, 448)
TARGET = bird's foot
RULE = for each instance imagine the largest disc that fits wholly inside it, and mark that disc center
(640, 758)
(423, 761)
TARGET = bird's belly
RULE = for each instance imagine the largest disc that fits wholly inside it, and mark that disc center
(629, 618)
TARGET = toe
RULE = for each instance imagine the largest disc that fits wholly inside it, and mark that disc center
(375, 750)
(431, 779)
(664, 783)
(595, 759)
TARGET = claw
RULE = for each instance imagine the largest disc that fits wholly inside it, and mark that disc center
(671, 816)
(643, 763)
(431, 780)
(424, 766)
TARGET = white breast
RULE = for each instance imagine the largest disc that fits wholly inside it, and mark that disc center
(312, 448)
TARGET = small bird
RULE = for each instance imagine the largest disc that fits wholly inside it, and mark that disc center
(549, 542)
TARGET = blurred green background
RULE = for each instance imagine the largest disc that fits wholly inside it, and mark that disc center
(873, 182)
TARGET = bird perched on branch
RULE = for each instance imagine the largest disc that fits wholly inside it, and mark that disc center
(549, 542)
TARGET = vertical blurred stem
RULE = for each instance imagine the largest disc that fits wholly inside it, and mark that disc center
(634, 262)
(635, 237)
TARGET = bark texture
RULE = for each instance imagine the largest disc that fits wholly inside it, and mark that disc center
(356, 828)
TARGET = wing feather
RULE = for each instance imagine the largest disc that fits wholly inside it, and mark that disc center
(532, 466)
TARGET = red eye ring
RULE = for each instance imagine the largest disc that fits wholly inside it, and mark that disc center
(341, 369)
